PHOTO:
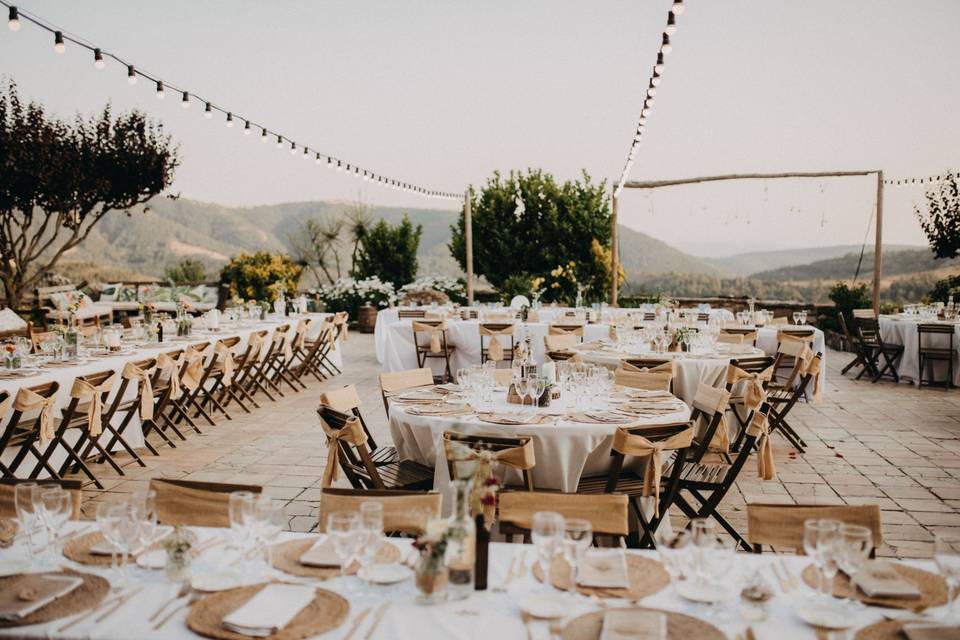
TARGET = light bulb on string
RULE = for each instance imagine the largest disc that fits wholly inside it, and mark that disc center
(665, 46)
(678, 7)
(229, 121)
(131, 74)
(356, 172)
(13, 19)
(671, 24)
(58, 44)
(649, 102)
(366, 176)
(264, 135)
(160, 92)
(279, 142)
(318, 158)
(247, 129)
(185, 100)
(651, 90)
(208, 111)
(658, 68)
(306, 153)
(645, 112)
(339, 165)
(293, 147)
(330, 164)
(98, 59)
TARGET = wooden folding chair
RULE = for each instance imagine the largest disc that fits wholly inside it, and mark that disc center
(875, 349)
(404, 512)
(650, 442)
(193, 376)
(244, 367)
(561, 329)
(396, 381)
(142, 404)
(346, 400)
(436, 347)
(929, 355)
(278, 359)
(347, 450)
(494, 349)
(709, 406)
(189, 503)
(656, 378)
(411, 313)
(559, 343)
(510, 452)
(852, 342)
(165, 385)
(747, 381)
(607, 513)
(783, 397)
(780, 526)
(8, 487)
(315, 354)
(738, 335)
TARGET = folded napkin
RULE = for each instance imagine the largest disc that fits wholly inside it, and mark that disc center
(605, 417)
(633, 624)
(606, 569)
(420, 396)
(882, 580)
(931, 631)
(270, 610)
(321, 554)
(648, 395)
(33, 592)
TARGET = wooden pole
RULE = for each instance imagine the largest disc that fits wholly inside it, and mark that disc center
(878, 247)
(468, 240)
(614, 251)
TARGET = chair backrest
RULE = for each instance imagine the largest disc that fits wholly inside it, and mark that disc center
(560, 329)
(753, 364)
(781, 525)
(354, 459)
(195, 504)
(8, 488)
(412, 313)
(606, 512)
(864, 313)
(624, 446)
(400, 380)
(648, 380)
(405, 512)
(521, 454)
(709, 404)
(560, 342)
(935, 328)
(344, 399)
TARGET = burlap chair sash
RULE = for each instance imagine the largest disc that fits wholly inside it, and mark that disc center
(399, 380)
(566, 330)
(736, 337)
(299, 334)
(521, 458)
(132, 372)
(759, 428)
(666, 367)
(435, 331)
(559, 342)
(608, 513)
(193, 373)
(4, 406)
(178, 505)
(648, 380)
(495, 349)
(406, 514)
(533, 316)
(754, 393)
(351, 433)
(780, 320)
(343, 400)
(255, 350)
(170, 367)
(633, 444)
(710, 401)
(280, 343)
(225, 361)
(83, 390)
(27, 400)
(342, 320)
(612, 333)
(781, 525)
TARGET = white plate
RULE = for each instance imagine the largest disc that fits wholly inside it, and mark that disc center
(156, 559)
(221, 581)
(545, 607)
(703, 592)
(385, 573)
(824, 615)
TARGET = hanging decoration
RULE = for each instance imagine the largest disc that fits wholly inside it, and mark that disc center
(666, 46)
(16, 18)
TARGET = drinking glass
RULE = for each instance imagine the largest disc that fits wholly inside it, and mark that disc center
(577, 536)
(267, 518)
(56, 506)
(520, 385)
(371, 530)
(147, 516)
(946, 554)
(803, 317)
(26, 498)
(547, 533)
(813, 532)
(536, 391)
(673, 547)
(796, 317)
(121, 528)
(343, 528)
(240, 509)
(855, 543)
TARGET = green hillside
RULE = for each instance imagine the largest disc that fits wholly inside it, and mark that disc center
(744, 264)
(895, 263)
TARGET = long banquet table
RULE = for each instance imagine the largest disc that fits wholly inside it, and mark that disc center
(486, 615)
(65, 375)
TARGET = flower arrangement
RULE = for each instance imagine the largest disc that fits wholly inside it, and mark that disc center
(347, 294)
(75, 304)
(476, 467)
(536, 288)
(451, 287)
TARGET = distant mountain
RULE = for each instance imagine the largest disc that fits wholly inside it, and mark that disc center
(895, 263)
(744, 264)
(154, 237)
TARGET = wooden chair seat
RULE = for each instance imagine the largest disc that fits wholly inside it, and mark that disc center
(628, 483)
(936, 352)
(425, 348)
(402, 474)
(385, 455)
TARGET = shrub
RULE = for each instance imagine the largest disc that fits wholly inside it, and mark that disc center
(261, 276)
(452, 288)
(945, 288)
(347, 294)
(519, 284)
(187, 271)
(845, 300)
(389, 252)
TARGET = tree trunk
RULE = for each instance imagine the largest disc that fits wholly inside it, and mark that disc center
(13, 289)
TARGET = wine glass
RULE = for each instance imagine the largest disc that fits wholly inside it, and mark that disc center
(672, 547)
(577, 536)
(796, 317)
(121, 528)
(342, 527)
(521, 385)
(855, 543)
(536, 390)
(240, 510)
(813, 531)
(547, 533)
(267, 517)
(371, 530)
(26, 497)
(946, 554)
(147, 516)
(56, 507)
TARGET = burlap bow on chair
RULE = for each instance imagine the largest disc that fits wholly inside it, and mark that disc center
(521, 458)
(193, 373)
(167, 364)
(495, 350)
(351, 433)
(27, 400)
(83, 390)
(754, 393)
(658, 378)
(566, 329)
(132, 372)
(632, 444)
(225, 360)
(760, 429)
(436, 332)
(299, 335)
(341, 319)
(710, 401)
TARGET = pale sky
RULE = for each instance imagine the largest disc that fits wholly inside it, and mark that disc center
(443, 93)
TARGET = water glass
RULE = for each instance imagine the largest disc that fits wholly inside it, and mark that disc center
(241, 510)
(26, 502)
(343, 529)
(371, 530)
(673, 547)
(547, 533)
(577, 537)
(56, 507)
(817, 536)
(147, 515)
(855, 543)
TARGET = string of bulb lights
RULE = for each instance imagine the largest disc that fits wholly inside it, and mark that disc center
(897, 182)
(231, 118)
(666, 46)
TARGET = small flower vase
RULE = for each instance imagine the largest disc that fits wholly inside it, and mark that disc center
(431, 578)
(178, 563)
(70, 339)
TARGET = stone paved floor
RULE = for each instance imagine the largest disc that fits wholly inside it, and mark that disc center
(885, 444)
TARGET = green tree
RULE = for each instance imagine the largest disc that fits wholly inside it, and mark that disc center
(261, 276)
(941, 220)
(58, 179)
(528, 223)
(389, 252)
(187, 271)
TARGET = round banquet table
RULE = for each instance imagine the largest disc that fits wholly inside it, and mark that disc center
(133, 434)
(565, 450)
(902, 329)
(399, 352)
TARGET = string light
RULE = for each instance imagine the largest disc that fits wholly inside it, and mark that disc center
(246, 128)
(13, 21)
(208, 111)
(293, 147)
(160, 92)
(185, 100)
(318, 158)
(658, 68)
(131, 74)
(306, 153)
(678, 7)
(666, 47)
(897, 182)
(98, 59)
(339, 166)
(229, 121)
(58, 44)
(263, 135)
(671, 25)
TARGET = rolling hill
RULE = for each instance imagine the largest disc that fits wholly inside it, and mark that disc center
(745, 264)
(895, 263)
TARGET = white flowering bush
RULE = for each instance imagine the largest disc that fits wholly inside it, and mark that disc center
(451, 287)
(348, 294)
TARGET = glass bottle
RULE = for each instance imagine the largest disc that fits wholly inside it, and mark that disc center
(528, 366)
(461, 548)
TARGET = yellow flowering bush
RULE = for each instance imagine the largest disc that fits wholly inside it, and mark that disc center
(261, 276)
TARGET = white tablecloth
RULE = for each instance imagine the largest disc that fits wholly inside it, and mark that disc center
(903, 330)
(399, 351)
(485, 615)
(133, 433)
